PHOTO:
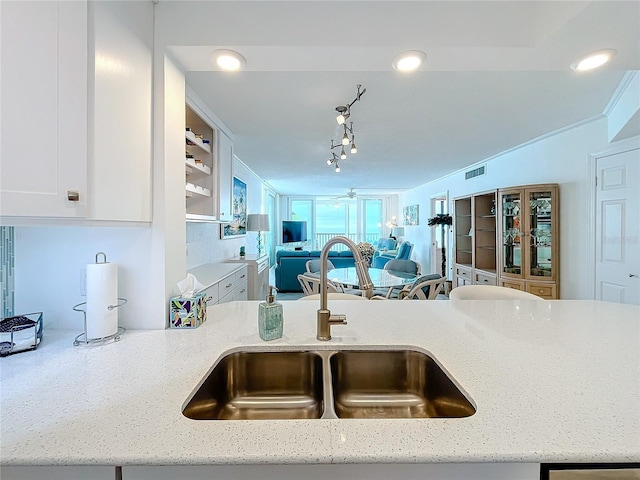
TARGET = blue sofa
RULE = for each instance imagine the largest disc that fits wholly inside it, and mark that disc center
(291, 263)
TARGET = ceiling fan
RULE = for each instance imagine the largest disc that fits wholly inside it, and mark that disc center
(352, 195)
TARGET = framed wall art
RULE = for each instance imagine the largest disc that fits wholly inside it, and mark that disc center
(238, 225)
(410, 215)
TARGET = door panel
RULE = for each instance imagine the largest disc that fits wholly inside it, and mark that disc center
(617, 228)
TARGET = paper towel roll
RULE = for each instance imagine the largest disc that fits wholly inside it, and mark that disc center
(102, 291)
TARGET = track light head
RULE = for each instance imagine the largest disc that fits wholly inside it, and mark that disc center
(343, 114)
(354, 149)
(337, 168)
(343, 154)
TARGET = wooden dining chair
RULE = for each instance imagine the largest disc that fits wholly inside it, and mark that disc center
(426, 287)
(397, 265)
(311, 285)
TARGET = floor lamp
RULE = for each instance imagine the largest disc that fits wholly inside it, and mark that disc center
(258, 222)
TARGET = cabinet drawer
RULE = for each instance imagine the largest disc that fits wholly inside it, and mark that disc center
(263, 264)
(463, 272)
(544, 290)
(241, 293)
(238, 293)
(229, 283)
(485, 279)
(511, 284)
(211, 294)
(240, 276)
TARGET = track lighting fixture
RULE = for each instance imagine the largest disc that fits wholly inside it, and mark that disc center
(334, 160)
(348, 137)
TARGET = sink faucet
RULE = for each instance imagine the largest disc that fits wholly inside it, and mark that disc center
(325, 319)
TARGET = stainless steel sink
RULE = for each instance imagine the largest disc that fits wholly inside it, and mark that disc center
(260, 385)
(345, 383)
(394, 384)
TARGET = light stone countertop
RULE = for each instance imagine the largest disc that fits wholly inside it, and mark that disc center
(555, 381)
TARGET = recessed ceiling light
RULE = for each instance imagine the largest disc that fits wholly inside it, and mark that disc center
(593, 60)
(228, 60)
(408, 61)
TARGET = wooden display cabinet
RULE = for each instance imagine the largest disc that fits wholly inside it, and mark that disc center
(475, 233)
(528, 232)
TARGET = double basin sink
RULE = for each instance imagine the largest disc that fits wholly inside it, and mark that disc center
(339, 383)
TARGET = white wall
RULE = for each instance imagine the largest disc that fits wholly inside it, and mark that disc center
(203, 239)
(561, 158)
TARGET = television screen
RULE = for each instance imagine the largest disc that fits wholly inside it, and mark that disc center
(294, 231)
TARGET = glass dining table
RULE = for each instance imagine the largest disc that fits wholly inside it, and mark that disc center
(380, 277)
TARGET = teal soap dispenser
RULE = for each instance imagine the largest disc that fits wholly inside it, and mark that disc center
(270, 317)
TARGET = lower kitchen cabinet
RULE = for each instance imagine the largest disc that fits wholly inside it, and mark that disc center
(58, 473)
(441, 471)
(225, 282)
(258, 275)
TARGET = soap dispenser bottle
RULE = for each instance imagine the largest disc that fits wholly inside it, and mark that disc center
(270, 317)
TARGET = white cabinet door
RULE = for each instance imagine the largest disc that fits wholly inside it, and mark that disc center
(120, 114)
(225, 172)
(44, 108)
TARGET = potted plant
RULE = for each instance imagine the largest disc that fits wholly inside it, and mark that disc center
(443, 219)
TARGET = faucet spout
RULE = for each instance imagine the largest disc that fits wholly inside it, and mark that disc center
(325, 319)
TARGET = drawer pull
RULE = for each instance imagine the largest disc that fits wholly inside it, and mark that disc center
(541, 291)
(242, 276)
(228, 285)
(242, 291)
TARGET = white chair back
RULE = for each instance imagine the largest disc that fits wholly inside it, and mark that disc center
(490, 292)
(311, 285)
(427, 289)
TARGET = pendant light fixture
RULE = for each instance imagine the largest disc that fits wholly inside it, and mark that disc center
(348, 137)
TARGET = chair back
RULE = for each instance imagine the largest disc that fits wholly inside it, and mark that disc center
(313, 266)
(490, 292)
(408, 266)
(386, 243)
(404, 251)
(311, 285)
(425, 287)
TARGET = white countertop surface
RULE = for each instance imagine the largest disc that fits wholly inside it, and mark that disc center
(555, 381)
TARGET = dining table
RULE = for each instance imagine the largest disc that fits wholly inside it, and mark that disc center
(380, 277)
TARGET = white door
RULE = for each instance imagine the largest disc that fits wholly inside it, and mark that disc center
(617, 228)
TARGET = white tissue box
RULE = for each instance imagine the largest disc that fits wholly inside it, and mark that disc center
(187, 312)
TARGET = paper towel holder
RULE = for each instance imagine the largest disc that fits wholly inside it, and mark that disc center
(98, 341)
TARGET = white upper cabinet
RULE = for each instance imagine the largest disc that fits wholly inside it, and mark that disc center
(44, 109)
(76, 110)
(120, 110)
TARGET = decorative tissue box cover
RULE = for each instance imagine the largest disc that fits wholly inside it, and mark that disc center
(187, 312)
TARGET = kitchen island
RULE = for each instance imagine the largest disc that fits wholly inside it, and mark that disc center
(552, 381)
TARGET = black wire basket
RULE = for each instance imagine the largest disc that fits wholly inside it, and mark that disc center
(20, 333)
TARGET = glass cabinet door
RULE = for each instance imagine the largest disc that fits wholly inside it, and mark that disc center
(511, 233)
(540, 238)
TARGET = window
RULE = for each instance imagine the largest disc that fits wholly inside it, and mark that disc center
(360, 220)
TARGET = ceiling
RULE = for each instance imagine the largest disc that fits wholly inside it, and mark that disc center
(496, 76)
